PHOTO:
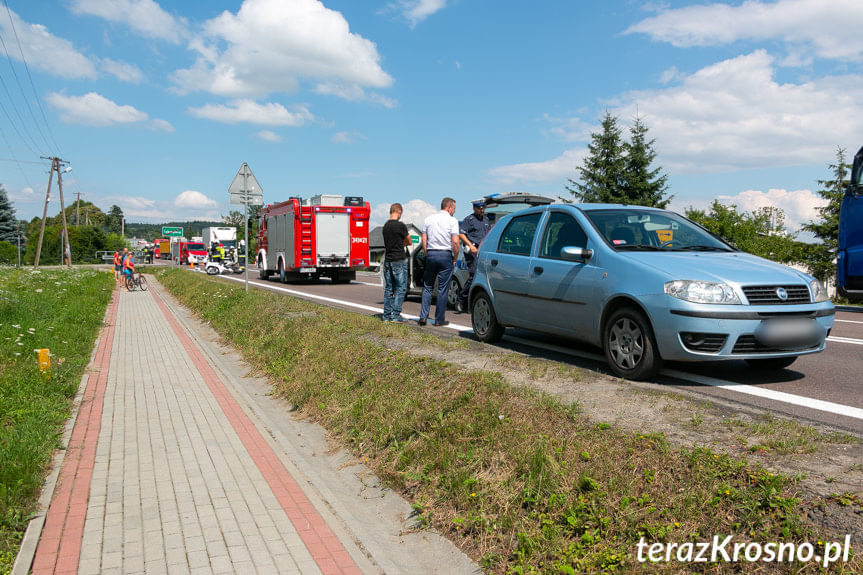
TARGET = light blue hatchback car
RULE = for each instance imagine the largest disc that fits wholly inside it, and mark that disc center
(645, 285)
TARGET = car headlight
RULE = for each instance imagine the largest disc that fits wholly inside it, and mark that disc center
(819, 293)
(702, 292)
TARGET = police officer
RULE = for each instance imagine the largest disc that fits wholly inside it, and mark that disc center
(471, 232)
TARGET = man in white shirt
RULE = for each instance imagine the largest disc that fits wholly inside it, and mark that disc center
(440, 243)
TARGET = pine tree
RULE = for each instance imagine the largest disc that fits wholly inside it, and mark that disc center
(643, 185)
(602, 174)
(113, 219)
(827, 227)
(8, 223)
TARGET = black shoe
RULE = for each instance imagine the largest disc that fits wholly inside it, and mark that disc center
(441, 323)
(461, 307)
(421, 321)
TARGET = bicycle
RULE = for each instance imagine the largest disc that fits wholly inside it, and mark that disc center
(135, 281)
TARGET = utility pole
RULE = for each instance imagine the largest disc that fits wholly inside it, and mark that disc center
(56, 164)
(78, 209)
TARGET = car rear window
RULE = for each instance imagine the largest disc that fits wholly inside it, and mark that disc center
(518, 235)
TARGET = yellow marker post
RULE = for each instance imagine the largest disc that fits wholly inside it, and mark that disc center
(43, 357)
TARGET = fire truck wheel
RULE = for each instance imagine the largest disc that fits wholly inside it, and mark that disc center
(263, 272)
(283, 277)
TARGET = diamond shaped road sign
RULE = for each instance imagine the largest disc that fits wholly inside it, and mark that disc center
(245, 189)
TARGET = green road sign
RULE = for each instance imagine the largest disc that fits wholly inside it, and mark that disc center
(172, 232)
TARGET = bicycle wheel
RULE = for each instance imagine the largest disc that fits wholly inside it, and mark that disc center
(130, 283)
(142, 282)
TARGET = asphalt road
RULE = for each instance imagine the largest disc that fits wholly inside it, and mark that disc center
(822, 388)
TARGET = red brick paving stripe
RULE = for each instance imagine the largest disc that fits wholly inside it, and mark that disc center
(322, 544)
(59, 547)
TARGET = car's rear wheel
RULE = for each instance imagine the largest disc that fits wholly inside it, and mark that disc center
(484, 320)
(630, 347)
(771, 363)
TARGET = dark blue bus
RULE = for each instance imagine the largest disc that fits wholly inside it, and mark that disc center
(849, 260)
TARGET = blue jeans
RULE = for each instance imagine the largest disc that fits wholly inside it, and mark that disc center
(438, 266)
(395, 287)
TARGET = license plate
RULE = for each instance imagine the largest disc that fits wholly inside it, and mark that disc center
(792, 333)
(308, 270)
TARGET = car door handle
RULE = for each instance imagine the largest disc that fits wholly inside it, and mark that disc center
(538, 270)
(494, 262)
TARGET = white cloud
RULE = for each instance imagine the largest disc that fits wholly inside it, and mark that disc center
(43, 50)
(734, 114)
(145, 17)
(557, 169)
(24, 196)
(160, 126)
(799, 206)
(830, 29)
(347, 137)
(728, 116)
(123, 71)
(414, 212)
(93, 109)
(268, 136)
(194, 200)
(249, 111)
(272, 46)
(415, 11)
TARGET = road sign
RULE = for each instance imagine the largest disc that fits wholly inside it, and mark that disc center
(245, 189)
(172, 232)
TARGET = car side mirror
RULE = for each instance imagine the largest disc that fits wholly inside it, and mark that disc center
(574, 254)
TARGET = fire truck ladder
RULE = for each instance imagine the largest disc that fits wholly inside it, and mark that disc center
(305, 231)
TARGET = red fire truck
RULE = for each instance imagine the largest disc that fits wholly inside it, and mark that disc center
(323, 236)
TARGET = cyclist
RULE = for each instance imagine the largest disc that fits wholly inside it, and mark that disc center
(129, 269)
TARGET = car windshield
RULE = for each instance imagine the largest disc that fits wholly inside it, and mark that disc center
(631, 229)
(191, 247)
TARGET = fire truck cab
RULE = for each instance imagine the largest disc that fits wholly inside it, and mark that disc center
(322, 236)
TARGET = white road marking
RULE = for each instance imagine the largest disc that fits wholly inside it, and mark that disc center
(847, 321)
(845, 340)
(363, 307)
(780, 396)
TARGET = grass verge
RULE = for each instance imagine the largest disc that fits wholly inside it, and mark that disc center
(521, 482)
(61, 311)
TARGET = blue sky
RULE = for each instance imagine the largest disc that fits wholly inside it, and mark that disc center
(156, 105)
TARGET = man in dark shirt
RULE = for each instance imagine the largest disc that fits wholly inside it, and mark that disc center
(396, 237)
(471, 233)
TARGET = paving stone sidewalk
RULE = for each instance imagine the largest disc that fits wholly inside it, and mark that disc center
(172, 468)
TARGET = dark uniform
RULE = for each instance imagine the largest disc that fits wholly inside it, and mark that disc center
(475, 228)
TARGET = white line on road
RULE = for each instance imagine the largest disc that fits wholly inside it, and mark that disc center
(848, 321)
(780, 396)
(845, 340)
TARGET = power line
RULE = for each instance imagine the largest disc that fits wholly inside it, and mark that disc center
(32, 85)
(20, 89)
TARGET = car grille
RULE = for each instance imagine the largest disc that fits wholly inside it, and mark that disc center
(766, 295)
(748, 344)
(703, 342)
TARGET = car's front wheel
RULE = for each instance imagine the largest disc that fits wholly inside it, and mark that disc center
(771, 363)
(484, 320)
(452, 296)
(630, 348)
